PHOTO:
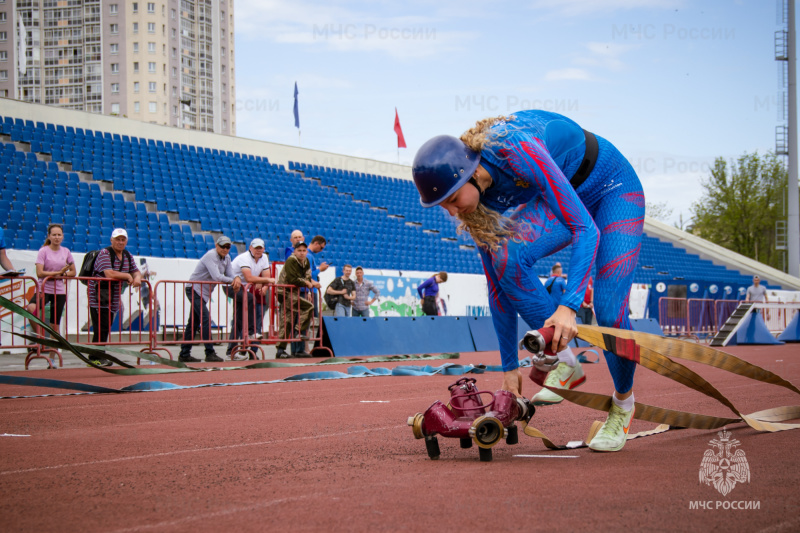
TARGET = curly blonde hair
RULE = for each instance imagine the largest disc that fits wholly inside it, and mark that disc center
(487, 228)
(479, 135)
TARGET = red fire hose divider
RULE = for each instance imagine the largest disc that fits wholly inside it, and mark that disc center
(651, 351)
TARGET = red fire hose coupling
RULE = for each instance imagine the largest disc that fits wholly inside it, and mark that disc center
(467, 418)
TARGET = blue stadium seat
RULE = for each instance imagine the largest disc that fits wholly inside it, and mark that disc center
(185, 179)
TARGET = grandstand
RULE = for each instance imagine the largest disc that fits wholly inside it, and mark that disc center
(177, 195)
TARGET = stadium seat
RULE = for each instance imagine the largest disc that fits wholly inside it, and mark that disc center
(184, 179)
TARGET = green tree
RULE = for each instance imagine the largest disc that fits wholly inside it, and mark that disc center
(741, 204)
(658, 210)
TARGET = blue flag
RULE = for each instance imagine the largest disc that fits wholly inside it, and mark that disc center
(296, 109)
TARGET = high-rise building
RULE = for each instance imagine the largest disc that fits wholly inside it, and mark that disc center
(165, 62)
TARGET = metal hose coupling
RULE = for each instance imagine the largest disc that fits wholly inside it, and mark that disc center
(526, 409)
(416, 425)
(487, 431)
(534, 342)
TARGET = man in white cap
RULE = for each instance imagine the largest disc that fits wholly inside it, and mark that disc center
(253, 268)
(215, 265)
(117, 265)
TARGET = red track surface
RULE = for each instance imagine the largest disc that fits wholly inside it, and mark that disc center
(312, 456)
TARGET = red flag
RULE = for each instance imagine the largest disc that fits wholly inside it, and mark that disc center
(401, 141)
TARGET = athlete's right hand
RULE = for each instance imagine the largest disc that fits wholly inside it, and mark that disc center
(566, 329)
(512, 382)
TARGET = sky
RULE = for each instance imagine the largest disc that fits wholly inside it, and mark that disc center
(673, 84)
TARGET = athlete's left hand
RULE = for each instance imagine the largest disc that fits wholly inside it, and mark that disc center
(566, 329)
(512, 382)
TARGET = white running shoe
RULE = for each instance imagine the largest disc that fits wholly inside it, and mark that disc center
(563, 377)
(613, 435)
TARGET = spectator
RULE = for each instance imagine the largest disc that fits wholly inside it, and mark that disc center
(117, 265)
(318, 243)
(295, 309)
(5, 262)
(215, 265)
(363, 287)
(756, 292)
(585, 312)
(53, 260)
(428, 290)
(249, 267)
(345, 288)
(294, 238)
(555, 284)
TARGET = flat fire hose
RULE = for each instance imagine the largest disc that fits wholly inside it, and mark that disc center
(655, 352)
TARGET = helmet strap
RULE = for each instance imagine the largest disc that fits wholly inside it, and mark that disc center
(474, 182)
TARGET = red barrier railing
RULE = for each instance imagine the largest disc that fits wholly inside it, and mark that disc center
(182, 314)
(672, 316)
(20, 290)
(700, 317)
(285, 299)
(111, 319)
(160, 319)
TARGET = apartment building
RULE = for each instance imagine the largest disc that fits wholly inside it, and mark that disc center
(165, 62)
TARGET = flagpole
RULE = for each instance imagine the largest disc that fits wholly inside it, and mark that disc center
(297, 116)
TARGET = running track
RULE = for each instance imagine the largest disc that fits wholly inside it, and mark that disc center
(338, 456)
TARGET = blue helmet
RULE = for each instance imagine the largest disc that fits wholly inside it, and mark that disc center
(442, 165)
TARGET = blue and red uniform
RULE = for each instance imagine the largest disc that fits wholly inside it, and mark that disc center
(531, 160)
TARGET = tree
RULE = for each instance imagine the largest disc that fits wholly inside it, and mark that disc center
(658, 211)
(740, 206)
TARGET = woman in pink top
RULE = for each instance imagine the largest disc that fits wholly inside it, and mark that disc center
(53, 260)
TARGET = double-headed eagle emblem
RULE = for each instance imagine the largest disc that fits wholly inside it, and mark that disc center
(725, 468)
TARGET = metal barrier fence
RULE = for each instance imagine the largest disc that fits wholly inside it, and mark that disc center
(672, 315)
(777, 316)
(700, 317)
(159, 319)
(20, 290)
(294, 306)
(185, 309)
(278, 297)
(117, 316)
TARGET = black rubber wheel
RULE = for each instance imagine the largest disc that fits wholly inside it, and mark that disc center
(466, 442)
(432, 445)
(485, 454)
(513, 435)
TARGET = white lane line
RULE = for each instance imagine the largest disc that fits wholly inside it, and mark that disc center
(374, 401)
(12, 435)
(224, 512)
(549, 456)
(207, 449)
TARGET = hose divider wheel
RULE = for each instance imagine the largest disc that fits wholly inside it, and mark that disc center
(513, 435)
(432, 445)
